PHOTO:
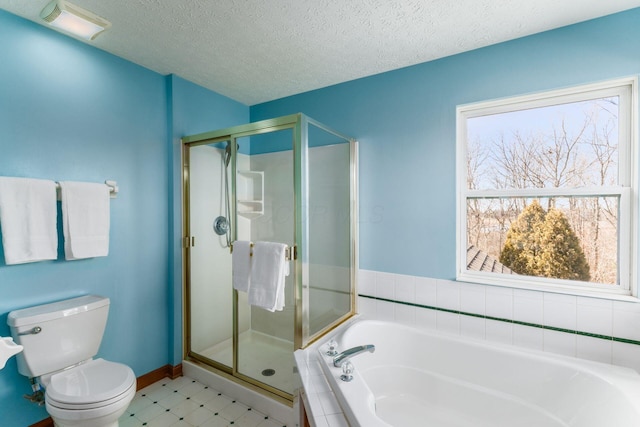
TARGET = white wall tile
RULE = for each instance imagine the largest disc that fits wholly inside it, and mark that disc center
(626, 355)
(598, 316)
(367, 282)
(528, 306)
(560, 343)
(405, 288)
(595, 316)
(472, 298)
(498, 331)
(367, 307)
(595, 349)
(329, 403)
(626, 320)
(528, 337)
(560, 311)
(499, 302)
(426, 290)
(385, 311)
(321, 421)
(337, 420)
(448, 322)
(385, 285)
(448, 294)
(473, 327)
(405, 314)
(526, 293)
(425, 318)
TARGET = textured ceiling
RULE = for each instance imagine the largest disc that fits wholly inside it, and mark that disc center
(259, 50)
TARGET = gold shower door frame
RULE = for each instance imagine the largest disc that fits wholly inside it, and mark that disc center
(299, 123)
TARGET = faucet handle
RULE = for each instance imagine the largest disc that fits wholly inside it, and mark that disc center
(333, 345)
(347, 372)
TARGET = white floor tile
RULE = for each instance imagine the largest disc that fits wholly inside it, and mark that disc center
(198, 416)
(234, 411)
(218, 403)
(174, 399)
(186, 407)
(166, 419)
(191, 389)
(216, 422)
(149, 413)
(185, 402)
(250, 419)
(206, 395)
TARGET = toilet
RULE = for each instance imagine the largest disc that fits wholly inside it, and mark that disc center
(60, 342)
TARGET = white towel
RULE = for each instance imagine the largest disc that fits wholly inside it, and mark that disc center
(268, 270)
(28, 219)
(85, 219)
(241, 265)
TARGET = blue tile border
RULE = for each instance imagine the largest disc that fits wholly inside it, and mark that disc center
(500, 319)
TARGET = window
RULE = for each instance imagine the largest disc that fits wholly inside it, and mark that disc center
(545, 184)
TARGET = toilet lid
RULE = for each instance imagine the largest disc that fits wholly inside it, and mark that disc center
(95, 383)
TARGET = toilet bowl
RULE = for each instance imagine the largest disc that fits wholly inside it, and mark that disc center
(60, 341)
(93, 394)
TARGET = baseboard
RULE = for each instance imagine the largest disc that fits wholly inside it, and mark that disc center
(48, 422)
(167, 371)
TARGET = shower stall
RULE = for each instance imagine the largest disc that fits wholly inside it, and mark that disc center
(289, 180)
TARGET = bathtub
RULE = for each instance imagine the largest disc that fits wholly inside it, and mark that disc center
(420, 378)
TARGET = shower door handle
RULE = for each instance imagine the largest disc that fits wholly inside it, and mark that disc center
(291, 253)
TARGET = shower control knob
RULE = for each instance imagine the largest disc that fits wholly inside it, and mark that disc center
(347, 372)
(221, 225)
(333, 344)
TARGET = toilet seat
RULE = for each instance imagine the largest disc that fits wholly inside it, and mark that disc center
(93, 384)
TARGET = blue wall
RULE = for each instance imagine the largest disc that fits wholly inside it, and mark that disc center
(405, 122)
(69, 111)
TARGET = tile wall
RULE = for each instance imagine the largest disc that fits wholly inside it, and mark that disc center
(589, 328)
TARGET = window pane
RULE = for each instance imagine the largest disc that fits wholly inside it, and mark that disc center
(568, 145)
(574, 238)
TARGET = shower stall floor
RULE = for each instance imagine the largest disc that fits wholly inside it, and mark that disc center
(260, 356)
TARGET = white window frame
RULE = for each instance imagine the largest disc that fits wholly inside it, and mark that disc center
(626, 89)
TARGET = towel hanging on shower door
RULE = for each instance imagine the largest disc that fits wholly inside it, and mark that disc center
(269, 268)
(241, 265)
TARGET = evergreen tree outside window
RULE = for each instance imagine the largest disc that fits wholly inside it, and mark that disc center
(545, 183)
(544, 244)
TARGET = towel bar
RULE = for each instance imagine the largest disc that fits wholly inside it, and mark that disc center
(113, 188)
(290, 253)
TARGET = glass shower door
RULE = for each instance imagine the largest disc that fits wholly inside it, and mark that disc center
(209, 263)
(265, 212)
(330, 249)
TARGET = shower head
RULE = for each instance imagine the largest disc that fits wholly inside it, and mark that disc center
(227, 154)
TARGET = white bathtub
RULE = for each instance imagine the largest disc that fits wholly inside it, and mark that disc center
(418, 378)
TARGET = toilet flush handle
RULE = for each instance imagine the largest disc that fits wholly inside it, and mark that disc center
(32, 331)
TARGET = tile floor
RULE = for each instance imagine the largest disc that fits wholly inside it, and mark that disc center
(185, 402)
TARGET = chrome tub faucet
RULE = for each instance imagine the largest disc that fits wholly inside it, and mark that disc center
(343, 357)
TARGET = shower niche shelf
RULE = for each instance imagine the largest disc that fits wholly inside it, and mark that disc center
(250, 193)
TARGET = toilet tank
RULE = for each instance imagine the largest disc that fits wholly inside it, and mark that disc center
(58, 335)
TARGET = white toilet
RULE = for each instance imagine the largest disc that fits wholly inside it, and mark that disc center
(60, 341)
